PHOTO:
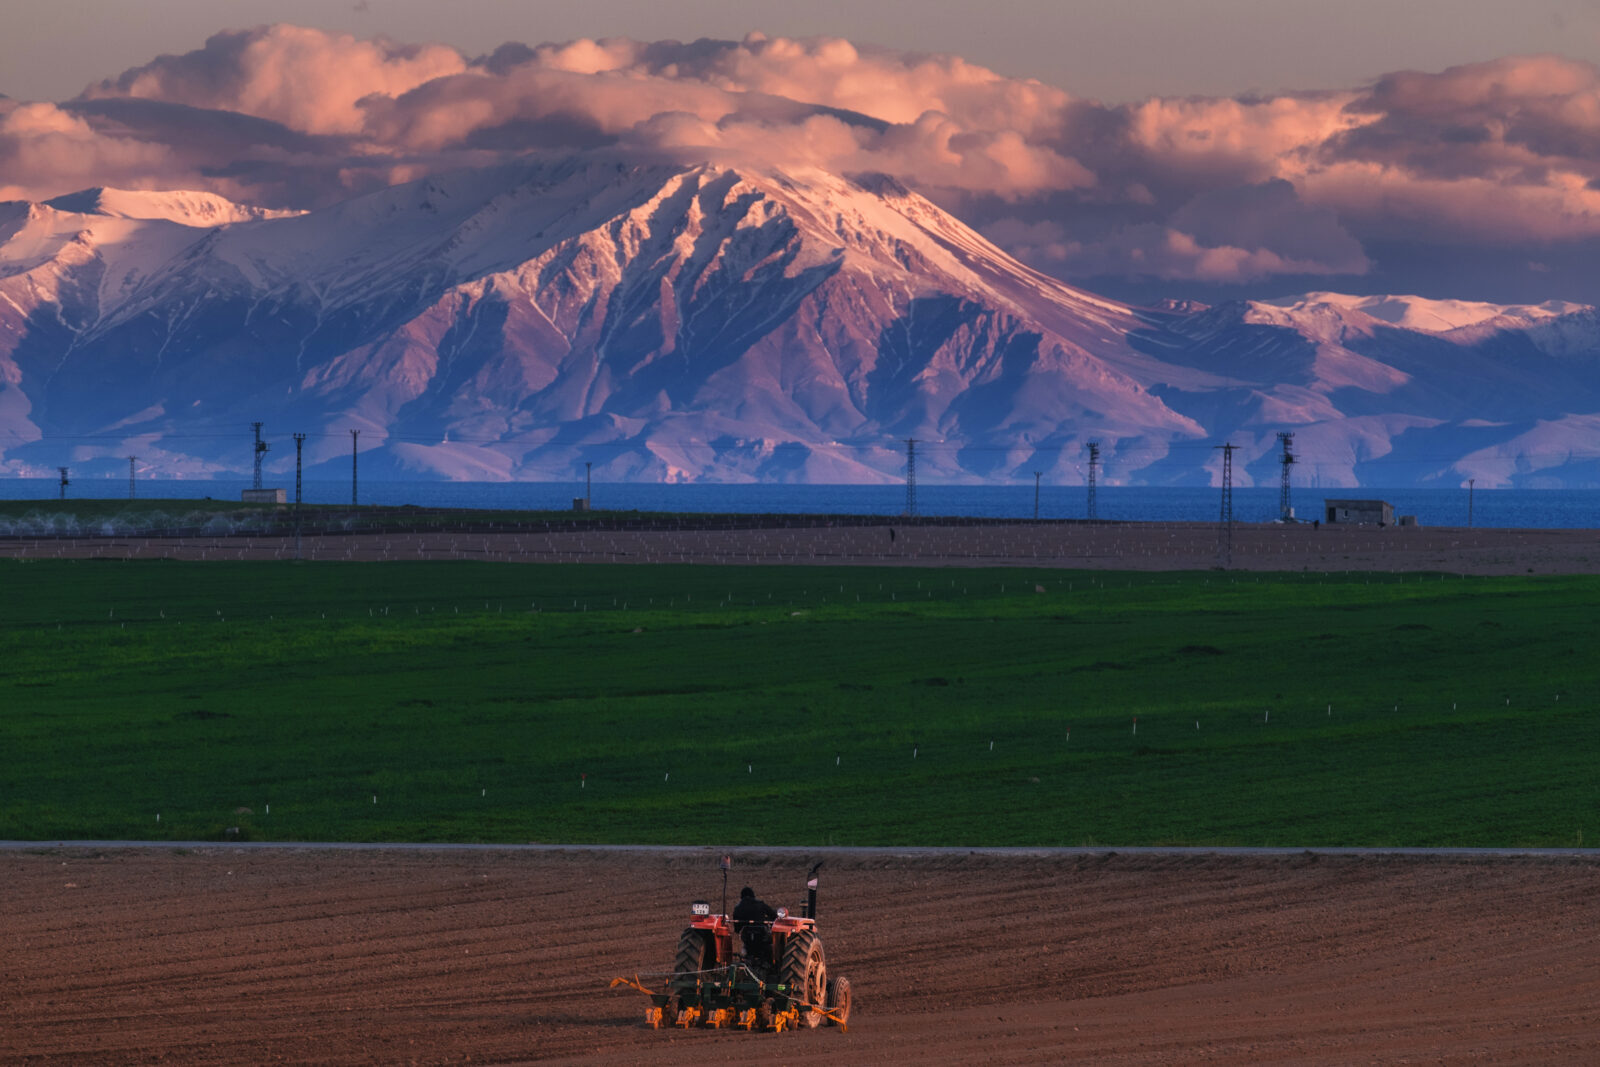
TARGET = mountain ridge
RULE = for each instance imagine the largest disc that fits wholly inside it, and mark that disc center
(703, 321)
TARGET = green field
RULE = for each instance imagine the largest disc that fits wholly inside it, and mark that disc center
(806, 705)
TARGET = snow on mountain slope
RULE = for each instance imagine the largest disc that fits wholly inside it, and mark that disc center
(107, 242)
(61, 257)
(1411, 403)
(1429, 316)
(183, 207)
(677, 321)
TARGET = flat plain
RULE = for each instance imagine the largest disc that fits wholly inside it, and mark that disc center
(1368, 690)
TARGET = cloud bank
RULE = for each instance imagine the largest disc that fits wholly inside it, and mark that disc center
(1497, 159)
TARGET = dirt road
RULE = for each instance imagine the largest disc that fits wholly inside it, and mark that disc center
(1119, 546)
(218, 956)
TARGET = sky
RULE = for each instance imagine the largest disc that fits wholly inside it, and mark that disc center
(1113, 50)
(1197, 149)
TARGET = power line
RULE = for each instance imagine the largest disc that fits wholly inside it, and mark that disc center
(1173, 453)
(1176, 448)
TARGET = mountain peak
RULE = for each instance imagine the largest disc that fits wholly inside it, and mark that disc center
(183, 206)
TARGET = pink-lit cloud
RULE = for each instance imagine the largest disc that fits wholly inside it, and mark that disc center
(40, 141)
(305, 79)
(1502, 154)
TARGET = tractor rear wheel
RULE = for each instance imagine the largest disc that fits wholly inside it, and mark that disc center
(838, 1001)
(692, 952)
(805, 972)
(692, 956)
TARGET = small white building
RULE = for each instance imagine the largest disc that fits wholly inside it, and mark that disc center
(264, 496)
(1358, 513)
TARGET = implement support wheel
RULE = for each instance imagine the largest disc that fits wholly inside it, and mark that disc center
(805, 972)
(838, 1001)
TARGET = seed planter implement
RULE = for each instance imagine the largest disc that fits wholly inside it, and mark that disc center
(751, 975)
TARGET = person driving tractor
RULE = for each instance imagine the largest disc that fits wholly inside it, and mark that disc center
(752, 921)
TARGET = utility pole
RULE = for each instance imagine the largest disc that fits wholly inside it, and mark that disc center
(261, 450)
(299, 441)
(1225, 522)
(911, 476)
(1285, 509)
(131, 461)
(1470, 483)
(65, 481)
(1036, 475)
(1094, 461)
(353, 455)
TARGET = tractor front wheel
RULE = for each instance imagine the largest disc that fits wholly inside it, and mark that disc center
(805, 972)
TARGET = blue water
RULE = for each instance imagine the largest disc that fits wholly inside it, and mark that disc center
(1524, 508)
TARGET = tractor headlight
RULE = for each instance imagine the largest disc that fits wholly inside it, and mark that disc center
(700, 907)
(783, 913)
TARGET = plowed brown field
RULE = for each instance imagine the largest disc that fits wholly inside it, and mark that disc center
(322, 956)
(1143, 546)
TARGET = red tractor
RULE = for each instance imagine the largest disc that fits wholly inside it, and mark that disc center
(756, 975)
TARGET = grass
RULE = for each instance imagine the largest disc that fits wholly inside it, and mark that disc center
(813, 706)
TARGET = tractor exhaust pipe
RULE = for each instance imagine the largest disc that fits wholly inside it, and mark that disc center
(811, 891)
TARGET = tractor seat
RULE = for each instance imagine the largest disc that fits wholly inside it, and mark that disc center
(757, 941)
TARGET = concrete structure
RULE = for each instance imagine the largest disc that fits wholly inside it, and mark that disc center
(1358, 512)
(263, 496)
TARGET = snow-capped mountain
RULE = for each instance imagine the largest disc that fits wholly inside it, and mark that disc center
(1400, 390)
(669, 321)
(1423, 315)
